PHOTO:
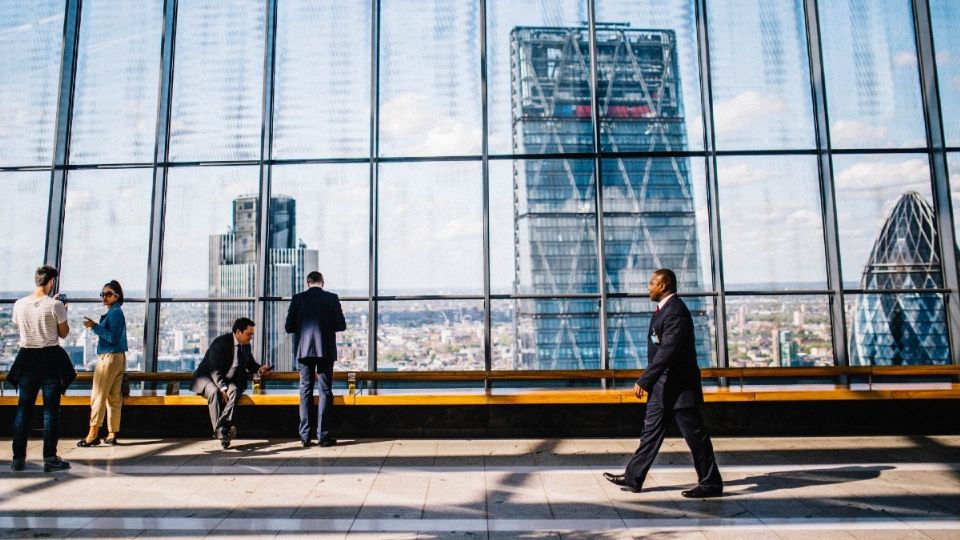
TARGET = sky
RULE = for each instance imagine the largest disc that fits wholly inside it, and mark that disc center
(431, 213)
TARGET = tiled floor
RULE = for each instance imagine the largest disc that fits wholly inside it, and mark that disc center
(863, 487)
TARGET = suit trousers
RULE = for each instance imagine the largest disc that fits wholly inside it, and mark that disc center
(690, 422)
(312, 370)
(105, 398)
(221, 415)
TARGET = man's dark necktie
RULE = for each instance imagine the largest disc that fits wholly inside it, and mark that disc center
(236, 362)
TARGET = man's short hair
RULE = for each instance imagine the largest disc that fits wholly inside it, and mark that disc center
(668, 277)
(44, 274)
(242, 324)
(314, 277)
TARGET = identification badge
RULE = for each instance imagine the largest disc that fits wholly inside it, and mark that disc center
(654, 339)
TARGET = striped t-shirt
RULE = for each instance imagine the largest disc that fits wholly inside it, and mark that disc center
(37, 319)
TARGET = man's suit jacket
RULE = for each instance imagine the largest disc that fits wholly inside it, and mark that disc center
(314, 318)
(672, 377)
(217, 361)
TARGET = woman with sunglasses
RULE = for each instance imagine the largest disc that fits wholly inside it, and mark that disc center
(112, 362)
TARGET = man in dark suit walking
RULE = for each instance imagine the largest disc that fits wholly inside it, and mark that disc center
(672, 381)
(222, 376)
(314, 318)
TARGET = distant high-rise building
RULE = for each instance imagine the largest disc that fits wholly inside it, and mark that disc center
(909, 327)
(648, 211)
(233, 271)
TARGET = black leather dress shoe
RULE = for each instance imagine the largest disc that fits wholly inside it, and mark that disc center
(329, 441)
(621, 480)
(305, 444)
(703, 492)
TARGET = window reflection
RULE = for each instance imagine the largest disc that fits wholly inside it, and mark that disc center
(760, 75)
(429, 78)
(332, 208)
(218, 83)
(945, 18)
(771, 223)
(628, 328)
(118, 65)
(351, 343)
(431, 228)
(105, 231)
(25, 223)
(649, 75)
(870, 64)
(188, 328)
(31, 35)
(322, 94)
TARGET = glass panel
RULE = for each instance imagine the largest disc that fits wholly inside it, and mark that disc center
(351, 344)
(887, 223)
(118, 65)
(31, 37)
(770, 217)
(430, 335)
(648, 79)
(543, 227)
(870, 63)
(430, 78)
(655, 216)
(106, 231)
(81, 343)
(431, 228)
(327, 212)
(628, 330)
(210, 238)
(520, 85)
(24, 222)
(555, 334)
(953, 169)
(779, 331)
(187, 328)
(945, 17)
(218, 81)
(322, 94)
(760, 75)
(897, 329)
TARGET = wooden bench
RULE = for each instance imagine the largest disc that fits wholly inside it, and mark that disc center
(487, 395)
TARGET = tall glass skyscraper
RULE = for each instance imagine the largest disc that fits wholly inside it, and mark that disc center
(233, 272)
(648, 211)
(909, 327)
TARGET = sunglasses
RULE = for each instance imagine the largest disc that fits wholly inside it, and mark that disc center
(107, 294)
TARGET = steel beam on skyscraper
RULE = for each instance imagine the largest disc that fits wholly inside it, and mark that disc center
(936, 152)
(161, 155)
(598, 187)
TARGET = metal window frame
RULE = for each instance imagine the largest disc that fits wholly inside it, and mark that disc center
(936, 150)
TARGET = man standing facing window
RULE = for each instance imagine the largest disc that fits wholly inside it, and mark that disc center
(314, 318)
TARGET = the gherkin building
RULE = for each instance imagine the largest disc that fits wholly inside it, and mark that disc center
(908, 327)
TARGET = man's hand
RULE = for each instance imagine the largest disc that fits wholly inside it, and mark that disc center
(637, 391)
(264, 369)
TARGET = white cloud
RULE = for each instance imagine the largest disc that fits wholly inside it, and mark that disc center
(741, 174)
(910, 174)
(746, 111)
(408, 117)
(904, 59)
(855, 133)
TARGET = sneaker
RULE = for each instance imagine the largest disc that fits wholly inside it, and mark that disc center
(54, 464)
(18, 465)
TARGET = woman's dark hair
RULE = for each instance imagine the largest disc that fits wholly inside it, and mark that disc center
(114, 286)
(44, 274)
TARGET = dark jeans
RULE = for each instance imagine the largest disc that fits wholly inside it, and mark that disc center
(30, 386)
(690, 422)
(312, 369)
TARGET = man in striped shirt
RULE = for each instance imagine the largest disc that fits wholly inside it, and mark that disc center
(42, 321)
